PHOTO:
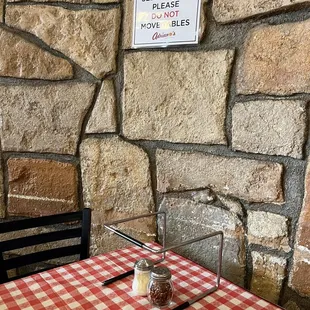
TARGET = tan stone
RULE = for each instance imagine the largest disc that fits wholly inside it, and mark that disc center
(69, 1)
(115, 176)
(22, 59)
(103, 116)
(268, 275)
(1, 10)
(129, 15)
(116, 184)
(269, 127)
(187, 219)
(252, 180)
(276, 60)
(301, 262)
(88, 37)
(2, 204)
(103, 240)
(51, 118)
(268, 229)
(230, 10)
(184, 109)
(41, 187)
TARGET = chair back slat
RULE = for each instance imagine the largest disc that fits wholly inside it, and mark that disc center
(85, 238)
(82, 232)
(23, 242)
(41, 221)
(37, 257)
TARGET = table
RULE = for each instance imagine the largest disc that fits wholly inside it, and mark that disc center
(78, 286)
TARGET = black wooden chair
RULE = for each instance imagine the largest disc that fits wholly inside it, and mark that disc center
(79, 228)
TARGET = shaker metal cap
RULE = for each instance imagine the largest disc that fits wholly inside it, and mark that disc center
(161, 273)
(144, 264)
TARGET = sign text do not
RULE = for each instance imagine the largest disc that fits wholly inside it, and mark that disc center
(162, 23)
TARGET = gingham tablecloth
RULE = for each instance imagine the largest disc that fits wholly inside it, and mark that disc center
(78, 286)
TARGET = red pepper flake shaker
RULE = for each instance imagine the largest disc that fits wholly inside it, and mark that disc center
(160, 288)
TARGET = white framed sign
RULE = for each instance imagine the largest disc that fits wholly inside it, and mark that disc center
(162, 23)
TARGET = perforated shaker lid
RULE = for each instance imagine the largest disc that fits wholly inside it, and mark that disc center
(144, 264)
(161, 273)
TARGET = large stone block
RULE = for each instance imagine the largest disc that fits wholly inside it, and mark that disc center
(301, 262)
(22, 59)
(276, 60)
(88, 37)
(268, 275)
(129, 15)
(270, 127)
(70, 1)
(103, 116)
(51, 118)
(190, 108)
(252, 180)
(268, 229)
(41, 187)
(187, 219)
(230, 10)
(116, 184)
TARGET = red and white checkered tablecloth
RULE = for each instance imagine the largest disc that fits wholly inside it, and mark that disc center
(78, 286)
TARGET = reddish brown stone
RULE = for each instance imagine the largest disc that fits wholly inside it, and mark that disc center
(41, 187)
(300, 279)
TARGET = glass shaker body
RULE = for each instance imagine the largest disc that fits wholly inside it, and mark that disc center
(160, 288)
(141, 279)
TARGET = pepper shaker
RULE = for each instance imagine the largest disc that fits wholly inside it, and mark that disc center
(141, 279)
(160, 288)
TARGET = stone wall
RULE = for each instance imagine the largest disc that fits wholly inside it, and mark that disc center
(216, 135)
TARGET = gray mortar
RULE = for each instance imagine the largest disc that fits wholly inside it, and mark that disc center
(217, 36)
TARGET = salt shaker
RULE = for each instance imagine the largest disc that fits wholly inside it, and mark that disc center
(141, 279)
(160, 288)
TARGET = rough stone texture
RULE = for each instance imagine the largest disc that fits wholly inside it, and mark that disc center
(268, 275)
(229, 10)
(276, 60)
(187, 109)
(231, 204)
(1, 10)
(187, 219)
(252, 180)
(88, 37)
(269, 127)
(299, 280)
(69, 1)
(103, 116)
(22, 59)
(40, 187)
(51, 117)
(290, 305)
(129, 15)
(268, 229)
(301, 263)
(116, 184)
(2, 204)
